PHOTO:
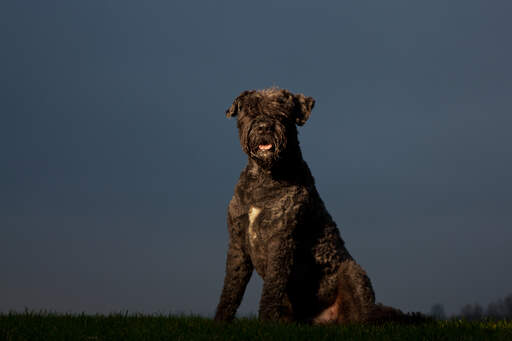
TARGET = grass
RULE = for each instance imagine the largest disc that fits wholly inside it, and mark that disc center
(30, 326)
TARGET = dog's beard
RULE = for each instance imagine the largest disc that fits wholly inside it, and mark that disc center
(265, 150)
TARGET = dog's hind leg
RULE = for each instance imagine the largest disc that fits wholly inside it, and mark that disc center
(355, 299)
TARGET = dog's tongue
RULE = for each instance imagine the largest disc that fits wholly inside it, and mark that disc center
(265, 146)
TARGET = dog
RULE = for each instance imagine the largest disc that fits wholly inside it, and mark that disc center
(278, 225)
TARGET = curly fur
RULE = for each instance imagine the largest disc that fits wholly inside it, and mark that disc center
(278, 225)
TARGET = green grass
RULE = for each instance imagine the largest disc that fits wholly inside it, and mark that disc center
(48, 326)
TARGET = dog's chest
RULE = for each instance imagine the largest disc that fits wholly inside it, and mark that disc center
(269, 220)
(266, 212)
(260, 229)
(252, 231)
(261, 224)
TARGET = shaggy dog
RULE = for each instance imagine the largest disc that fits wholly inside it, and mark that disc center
(279, 226)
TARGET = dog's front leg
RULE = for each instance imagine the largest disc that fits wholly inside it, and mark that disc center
(274, 303)
(239, 269)
(238, 273)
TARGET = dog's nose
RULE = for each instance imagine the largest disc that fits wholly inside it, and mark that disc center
(264, 128)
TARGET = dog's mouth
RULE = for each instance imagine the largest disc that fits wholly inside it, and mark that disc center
(265, 147)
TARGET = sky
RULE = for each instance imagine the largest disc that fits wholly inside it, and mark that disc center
(117, 162)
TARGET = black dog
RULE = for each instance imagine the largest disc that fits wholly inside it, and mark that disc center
(279, 226)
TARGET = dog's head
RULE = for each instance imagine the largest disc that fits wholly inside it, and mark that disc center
(267, 121)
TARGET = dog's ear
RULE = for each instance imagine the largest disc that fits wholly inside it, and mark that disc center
(304, 105)
(236, 107)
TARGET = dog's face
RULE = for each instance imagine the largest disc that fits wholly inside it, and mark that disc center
(267, 122)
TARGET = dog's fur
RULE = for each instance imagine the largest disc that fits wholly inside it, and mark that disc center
(279, 226)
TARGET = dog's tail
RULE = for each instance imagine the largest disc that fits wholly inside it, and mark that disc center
(384, 314)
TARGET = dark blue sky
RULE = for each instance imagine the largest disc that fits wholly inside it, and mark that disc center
(118, 163)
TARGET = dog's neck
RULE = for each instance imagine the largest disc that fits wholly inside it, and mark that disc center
(294, 171)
